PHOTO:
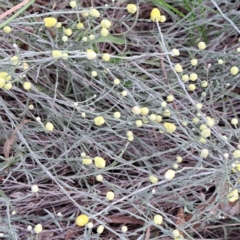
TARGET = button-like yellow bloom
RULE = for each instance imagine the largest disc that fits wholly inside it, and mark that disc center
(82, 220)
(105, 23)
(14, 60)
(106, 57)
(94, 13)
(7, 29)
(234, 70)
(50, 22)
(91, 54)
(68, 32)
(99, 120)
(27, 85)
(8, 86)
(144, 111)
(49, 126)
(131, 8)
(169, 174)
(38, 228)
(99, 162)
(80, 25)
(110, 195)
(153, 179)
(201, 45)
(233, 196)
(104, 32)
(158, 219)
(170, 127)
(155, 15)
(56, 54)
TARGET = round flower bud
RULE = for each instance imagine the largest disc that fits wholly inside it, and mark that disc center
(104, 32)
(105, 23)
(201, 45)
(85, 13)
(185, 78)
(131, 8)
(195, 120)
(234, 70)
(34, 188)
(184, 123)
(162, 19)
(30, 107)
(7, 86)
(204, 153)
(7, 29)
(94, 73)
(129, 133)
(38, 228)
(29, 228)
(117, 115)
(139, 123)
(136, 110)
(170, 127)
(130, 138)
(175, 233)
(210, 121)
(206, 132)
(124, 229)
(158, 119)
(110, 195)
(226, 155)
(144, 111)
(50, 22)
(163, 104)
(158, 219)
(175, 52)
(90, 225)
(204, 84)
(82, 220)
(94, 12)
(58, 25)
(56, 54)
(175, 166)
(99, 162)
(193, 76)
(124, 93)
(178, 68)
(100, 229)
(153, 179)
(106, 57)
(91, 54)
(234, 121)
(152, 117)
(86, 160)
(170, 98)
(73, 4)
(220, 61)
(91, 37)
(84, 39)
(116, 81)
(202, 140)
(198, 106)
(167, 113)
(49, 126)
(99, 120)
(80, 25)
(64, 38)
(169, 174)
(194, 62)
(233, 196)
(68, 32)
(99, 178)
(179, 159)
(191, 87)
(155, 15)
(14, 60)
(236, 154)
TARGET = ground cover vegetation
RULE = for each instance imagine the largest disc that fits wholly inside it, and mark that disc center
(119, 119)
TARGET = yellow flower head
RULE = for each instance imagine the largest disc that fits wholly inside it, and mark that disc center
(56, 54)
(8, 86)
(38, 228)
(82, 220)
(170, 127)
(236, 154)
(14, 60)
(49, 126)
(178, 68)
(155, 15)
(169, 174)
(233, 196)
(104, 32)
(27, 85)
(110, 195)
(106, 57)
(2, 82)
(201, 45)
(50, 22)
(80, 25)
(91, 54)
(5, 76)
(99, 120)
(105, 23)
(99, 162)
(94, 13)
(234, 70)
(7, 29)
(131, 8)
(144, 111)
(158, 219)
(87, 160)
(153, 179)
(68, 32)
